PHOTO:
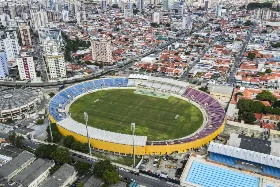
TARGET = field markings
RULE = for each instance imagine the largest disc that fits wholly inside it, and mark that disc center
(131, 111)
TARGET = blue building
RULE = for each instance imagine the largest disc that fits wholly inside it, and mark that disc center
(3, 65)
(239, 158)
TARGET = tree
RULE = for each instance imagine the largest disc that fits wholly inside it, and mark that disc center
(268, 71)
(55, 133)
(54, 168)
(258, 107)
(204, 89)
(278, 126)
(111, 177)
(61, 156)
(78, 146)
(82, 167)
(248, 23)
(68, 141)
(45, 151)
(40, 121)
(249, 117)
(276, 104)
(80, 184)
(15, 139)
(51, 94)
(101, 166)
(251, 56)
(266, 96)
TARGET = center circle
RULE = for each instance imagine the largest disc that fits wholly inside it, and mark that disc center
(158, 118)
(7, 96)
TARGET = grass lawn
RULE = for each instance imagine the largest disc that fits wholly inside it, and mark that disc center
(115, 110)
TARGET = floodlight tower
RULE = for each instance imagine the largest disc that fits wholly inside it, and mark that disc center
(133, 150)
(86, 120)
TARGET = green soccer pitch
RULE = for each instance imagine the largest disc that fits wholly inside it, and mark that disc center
(157, 118)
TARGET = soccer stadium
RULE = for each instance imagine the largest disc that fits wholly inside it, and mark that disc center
(15, 103)
(170, 116)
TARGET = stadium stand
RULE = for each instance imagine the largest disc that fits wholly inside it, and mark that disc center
(242, 158)
(213, 109)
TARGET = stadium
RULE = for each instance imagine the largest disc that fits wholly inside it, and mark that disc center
(62, 107)
(16, 103)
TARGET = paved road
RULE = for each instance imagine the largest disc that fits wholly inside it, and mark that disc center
(45, 84)
(231, 79)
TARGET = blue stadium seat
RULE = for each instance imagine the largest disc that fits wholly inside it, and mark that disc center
(89, 85)
(271, 171)
(109, 82)
(80, 87)
(98, 83)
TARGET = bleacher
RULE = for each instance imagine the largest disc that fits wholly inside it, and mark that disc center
(237, 157)
(63, 98)
(212, 107)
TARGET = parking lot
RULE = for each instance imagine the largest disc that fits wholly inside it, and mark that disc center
(170, 166)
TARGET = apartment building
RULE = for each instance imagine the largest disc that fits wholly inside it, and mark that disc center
(3, 65)
(56, 65)
(25, 36)
(101, 51)
(39, 19)
(9, 44)
(26, 67)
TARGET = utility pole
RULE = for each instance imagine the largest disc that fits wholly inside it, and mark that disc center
(50, 127)
(133, 149)
(86, 120)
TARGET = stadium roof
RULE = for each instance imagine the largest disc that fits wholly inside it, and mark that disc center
(107, 136)
(254, 144)
(243, 154)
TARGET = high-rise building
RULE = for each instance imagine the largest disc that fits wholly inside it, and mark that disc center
(81, 17)
(104, 5)
(39, 19)
(218, 10)
(257, 13)
(101, 51)
(165, 4)
(25, 36)
(26, 67)
(56, 65)
(156, 17)
(3, 65)
(9, 44)
(5, 18)
(128, 13)
(65, 15)
(266, 14)
(53, 16)
(140, 4)
(187, 22)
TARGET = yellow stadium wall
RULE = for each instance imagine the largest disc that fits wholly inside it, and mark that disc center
(163, 149)
(108, 146)
(141, 150)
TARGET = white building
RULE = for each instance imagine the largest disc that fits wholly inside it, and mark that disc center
(39, 19)
(101, 51)
(156, 17)
(56, 65)
(5, 18)
(3, 65)
(65, 15)
(128, 13)
(63, 177)
(218, 10)
(187, 22)
(81, 17)
(26, 67)
(9, 44)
